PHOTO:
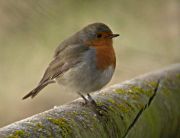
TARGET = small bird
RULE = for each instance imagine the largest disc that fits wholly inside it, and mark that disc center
(84, 62)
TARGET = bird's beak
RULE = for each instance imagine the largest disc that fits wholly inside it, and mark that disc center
(113, 35)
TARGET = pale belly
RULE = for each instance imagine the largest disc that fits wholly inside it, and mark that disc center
(85, 79)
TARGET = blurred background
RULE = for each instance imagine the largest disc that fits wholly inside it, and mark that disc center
(31, 30)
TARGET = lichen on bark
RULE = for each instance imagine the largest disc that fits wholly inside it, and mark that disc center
(147, 106)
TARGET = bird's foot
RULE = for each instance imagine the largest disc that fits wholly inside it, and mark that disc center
(99, 109)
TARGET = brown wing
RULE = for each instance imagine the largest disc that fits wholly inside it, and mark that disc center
(56, 68)
(66, 59)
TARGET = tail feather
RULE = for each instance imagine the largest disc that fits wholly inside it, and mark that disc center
(36, 90)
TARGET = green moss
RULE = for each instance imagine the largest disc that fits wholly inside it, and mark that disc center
(63, 124)
(135, 96)
(111, 101)
(118, 106)
(139, 90)
(123, 108)
(152, 84)
(40, 126)
(19, 134)
(136, 90)
(128, 104)
(120, 91)
(166, 91)
(75, 113)
(139, 105)
(117, 119)
(99, 103)
(134, 93)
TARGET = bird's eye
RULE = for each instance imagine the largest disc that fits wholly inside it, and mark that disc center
(99, 35)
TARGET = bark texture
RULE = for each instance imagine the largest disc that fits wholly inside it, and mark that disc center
(145, 107)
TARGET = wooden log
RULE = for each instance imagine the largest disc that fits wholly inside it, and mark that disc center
(145, 107)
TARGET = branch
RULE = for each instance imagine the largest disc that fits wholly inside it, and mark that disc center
(147, 106)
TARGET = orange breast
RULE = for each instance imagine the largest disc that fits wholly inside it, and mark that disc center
(105, 55)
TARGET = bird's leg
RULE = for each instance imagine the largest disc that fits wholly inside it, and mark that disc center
(91, 100)
(100, 110)
(86, 100)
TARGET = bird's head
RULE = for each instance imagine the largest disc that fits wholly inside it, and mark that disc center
(97, 34)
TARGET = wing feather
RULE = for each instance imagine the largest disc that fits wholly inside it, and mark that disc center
(66, 59)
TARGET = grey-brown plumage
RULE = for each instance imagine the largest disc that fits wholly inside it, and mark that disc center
(62, 62)
(74, 63)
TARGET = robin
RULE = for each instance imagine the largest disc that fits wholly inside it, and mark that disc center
(84, 62)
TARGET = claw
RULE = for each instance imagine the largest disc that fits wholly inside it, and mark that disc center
(99, 109)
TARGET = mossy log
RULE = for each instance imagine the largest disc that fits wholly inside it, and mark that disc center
(145, 107)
